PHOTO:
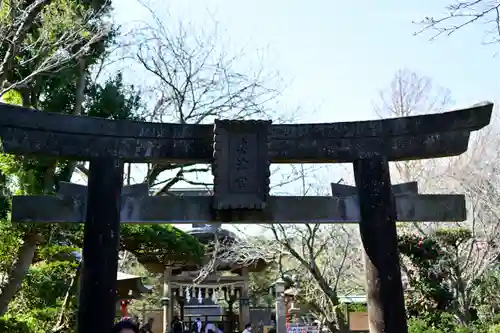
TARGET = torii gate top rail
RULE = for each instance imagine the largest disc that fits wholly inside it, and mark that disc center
(427, 136)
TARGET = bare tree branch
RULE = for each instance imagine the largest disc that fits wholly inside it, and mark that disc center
(461, 14)
(325, 258)
(410, 94)
(49, 51)
(194, 80)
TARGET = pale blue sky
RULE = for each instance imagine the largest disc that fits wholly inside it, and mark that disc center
(338, 55)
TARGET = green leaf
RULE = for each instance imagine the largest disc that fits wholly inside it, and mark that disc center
(13, 97)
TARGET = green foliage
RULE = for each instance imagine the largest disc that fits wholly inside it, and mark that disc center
(494, 329)
(160, 243)
(44, 289)
(60, 16)
(421, 326)
(14, 325)
(487, 289)
(56, 252)
(10, 241)
(12, 97)
(356, 307)
(452, 238)
(46, 283)
(429, 288)
(434, 278)
(113, 100)
(424, 325)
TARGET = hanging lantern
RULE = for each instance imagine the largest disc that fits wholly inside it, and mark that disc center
(123, 307)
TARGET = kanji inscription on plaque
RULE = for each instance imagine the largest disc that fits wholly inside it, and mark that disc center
(244, 167)
(241, 165)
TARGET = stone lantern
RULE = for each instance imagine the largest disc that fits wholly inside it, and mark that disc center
(279, 290)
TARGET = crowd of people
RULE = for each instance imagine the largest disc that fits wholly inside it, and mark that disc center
(128, 325)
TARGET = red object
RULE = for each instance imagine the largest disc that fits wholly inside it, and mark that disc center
(123, 307)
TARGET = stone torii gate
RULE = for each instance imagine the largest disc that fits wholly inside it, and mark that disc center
(138, 207)
(435, 211)
(240, 153)
(410, 205)
(285, 209)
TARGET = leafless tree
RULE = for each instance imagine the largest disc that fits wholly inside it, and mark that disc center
(66, 35)
(244, 252)
(327, 261)
(460, 14)
(192, 79)
(410, 94)
(474, 174)
(325, 258)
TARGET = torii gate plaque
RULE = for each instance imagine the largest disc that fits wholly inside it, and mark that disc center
(240, 156)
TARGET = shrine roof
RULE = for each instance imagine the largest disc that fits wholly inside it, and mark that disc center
(130, 286)
(178, 267)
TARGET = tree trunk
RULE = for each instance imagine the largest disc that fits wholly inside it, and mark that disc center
(19, 269)
(80, 96)
(60, 324)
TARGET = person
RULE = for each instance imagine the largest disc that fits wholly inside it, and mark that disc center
(176, 325)
(248, 328)
(197, 326)
(125, 326)
(210, 328)
(147, 327)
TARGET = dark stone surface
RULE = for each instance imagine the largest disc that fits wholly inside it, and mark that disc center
(85, 147)
(97, 297)
(198, 210)
(341, 190)
(241, 166)
(25, 131)
(204, 232)
(69, 205)
(67, 189)
(386, 306)
(194, 192)
(469, 119)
